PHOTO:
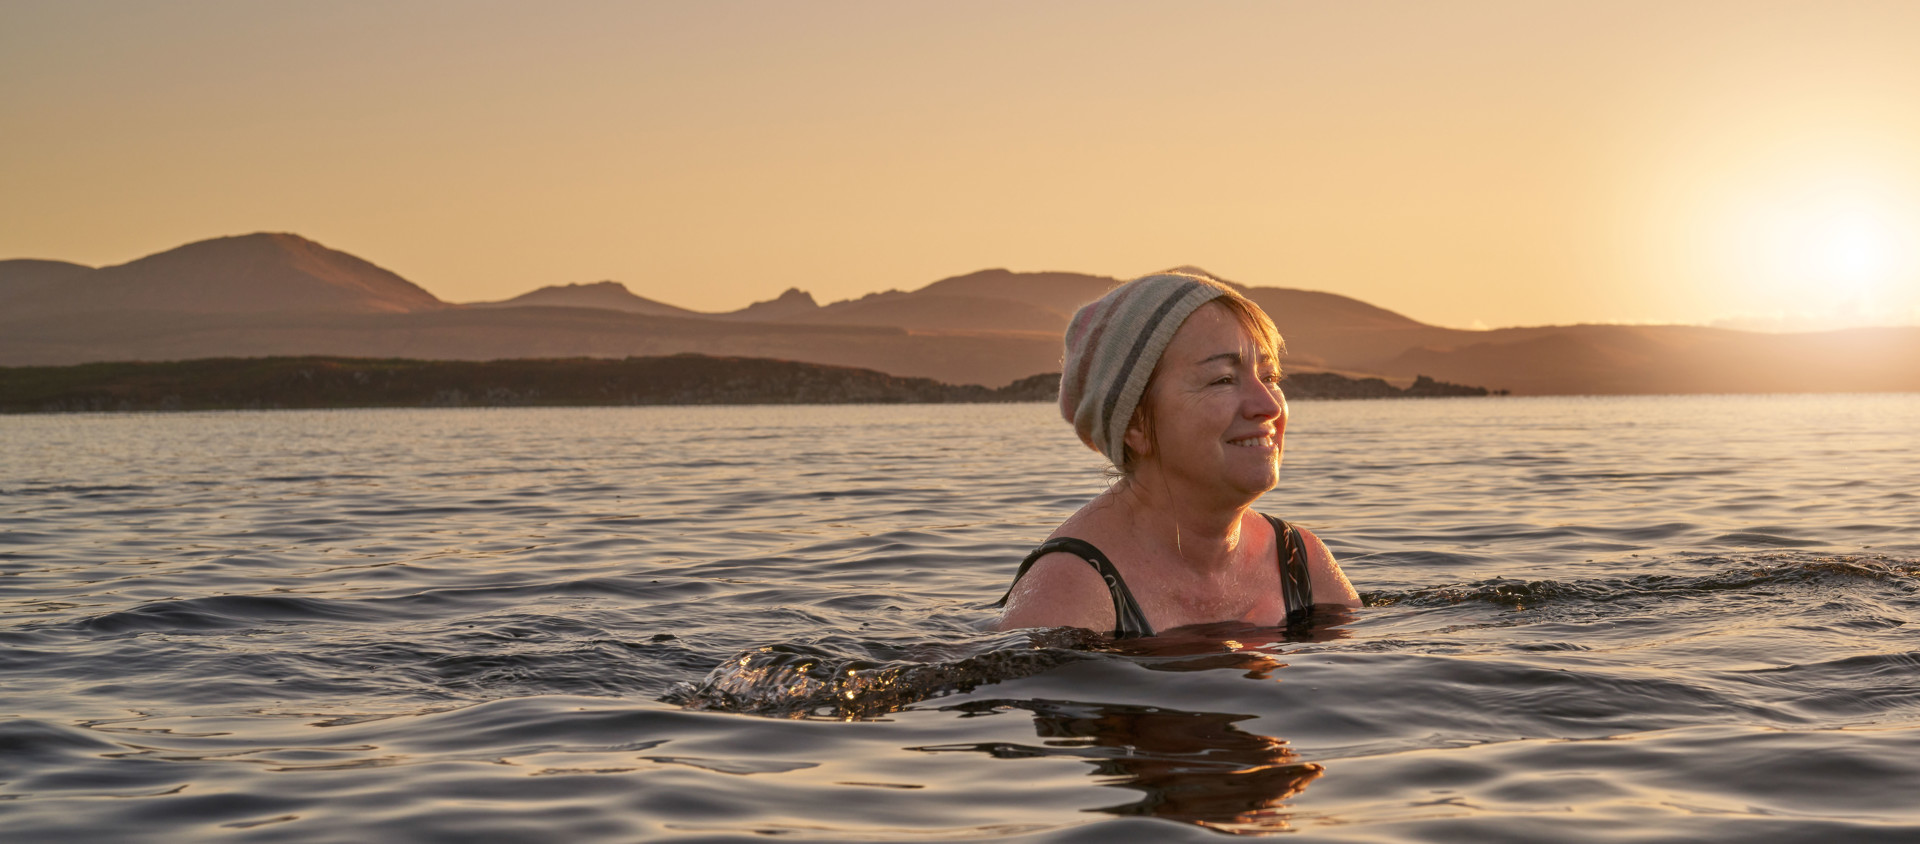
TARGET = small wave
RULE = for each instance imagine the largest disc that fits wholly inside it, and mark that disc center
(1769, 540)
(1587, 477)
(1501, 591)
(1856, 686)
(1651, 533)
(1524, 594)
(221, 612)
(82, 490)
(24, 740)
(801, 681)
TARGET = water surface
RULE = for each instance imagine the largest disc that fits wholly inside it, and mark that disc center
(1587, 619)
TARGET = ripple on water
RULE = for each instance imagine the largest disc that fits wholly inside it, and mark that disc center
(1585, 620)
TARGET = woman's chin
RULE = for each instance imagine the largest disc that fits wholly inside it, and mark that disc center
(1258, 462)
(1254, 480)
(1249, 476)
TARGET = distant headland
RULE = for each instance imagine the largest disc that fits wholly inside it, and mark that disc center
(686, 379)
(282, 295)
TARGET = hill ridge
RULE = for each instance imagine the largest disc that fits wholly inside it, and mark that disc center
(277, 293)
(249, 273)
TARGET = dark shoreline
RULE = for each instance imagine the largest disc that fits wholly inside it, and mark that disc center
(687, 379)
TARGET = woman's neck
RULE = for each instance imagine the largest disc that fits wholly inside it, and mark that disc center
(1169, 525)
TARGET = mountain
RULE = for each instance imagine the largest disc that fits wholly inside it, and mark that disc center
(255, 273)
(1060, 292)
(614, 296)
(792, 303)
(278, 294)
(995, 300)
(21, 276)
(609, 295)
(988, 300)
(1001, 300)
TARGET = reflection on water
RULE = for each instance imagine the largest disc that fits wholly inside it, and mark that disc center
(1327, 623)
(1194, 767)
(1189, 766)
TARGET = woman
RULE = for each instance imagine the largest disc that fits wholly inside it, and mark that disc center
(1175, 377)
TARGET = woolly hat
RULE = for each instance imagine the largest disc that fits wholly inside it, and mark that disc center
(1113, 345)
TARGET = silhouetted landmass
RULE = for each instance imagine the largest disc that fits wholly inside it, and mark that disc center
(1328, 385)
(610, 295)
(281, 295)
(22, 276)
(246, 274)
(331, 382)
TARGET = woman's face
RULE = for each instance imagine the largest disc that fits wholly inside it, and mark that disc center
(1219, 419)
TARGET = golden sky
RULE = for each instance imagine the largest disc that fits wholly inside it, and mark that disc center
(1464, 163)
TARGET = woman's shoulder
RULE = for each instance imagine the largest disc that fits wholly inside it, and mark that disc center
(1060, 589)
(1307, 539)
(1330, 584)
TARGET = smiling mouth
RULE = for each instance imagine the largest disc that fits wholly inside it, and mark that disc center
(1262, 441)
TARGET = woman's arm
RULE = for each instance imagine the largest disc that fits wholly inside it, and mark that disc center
(1330, 585)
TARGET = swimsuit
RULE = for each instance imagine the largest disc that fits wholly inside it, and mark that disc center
(1296, 585)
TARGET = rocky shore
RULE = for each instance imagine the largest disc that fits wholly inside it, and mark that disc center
(334, 382)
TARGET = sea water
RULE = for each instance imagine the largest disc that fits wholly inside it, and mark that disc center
(1587, 619)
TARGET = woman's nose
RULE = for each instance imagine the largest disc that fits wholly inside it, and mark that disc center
(1264, 400)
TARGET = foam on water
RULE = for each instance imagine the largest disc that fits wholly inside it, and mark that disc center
(1647, 619)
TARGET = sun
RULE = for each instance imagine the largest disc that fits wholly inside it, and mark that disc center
(1821, 253)
(1846, 251)
(1766, 227)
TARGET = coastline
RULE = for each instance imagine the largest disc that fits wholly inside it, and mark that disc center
(306, 383)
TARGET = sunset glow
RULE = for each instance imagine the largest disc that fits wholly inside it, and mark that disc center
(1818, 252)
(1491, 163)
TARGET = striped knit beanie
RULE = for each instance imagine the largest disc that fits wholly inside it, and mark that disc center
(1113, 345)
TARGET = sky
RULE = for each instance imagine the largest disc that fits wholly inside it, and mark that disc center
(1470, 163)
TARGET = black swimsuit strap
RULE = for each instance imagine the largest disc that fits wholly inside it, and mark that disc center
(1296, 581)
(1128, 620)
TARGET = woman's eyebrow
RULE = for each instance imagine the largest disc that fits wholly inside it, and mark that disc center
(1232, 358)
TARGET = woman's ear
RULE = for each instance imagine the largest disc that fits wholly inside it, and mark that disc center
(1139, 439)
